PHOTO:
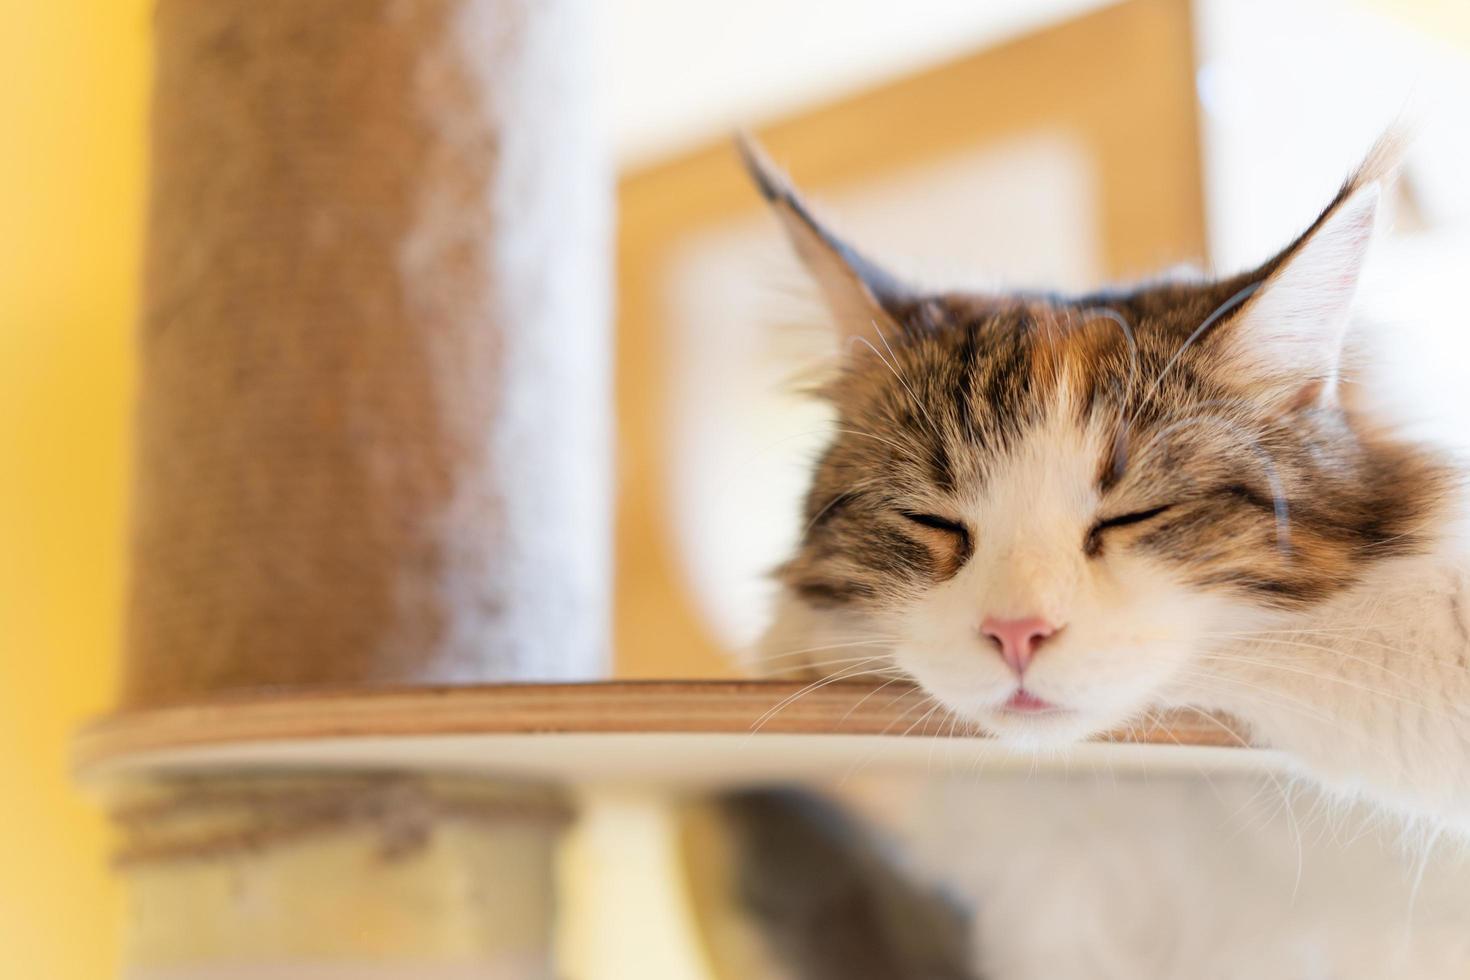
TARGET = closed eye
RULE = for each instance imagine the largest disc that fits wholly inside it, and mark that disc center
(1093, 544)
(948, 541)
(939, 524)
(1137, 517)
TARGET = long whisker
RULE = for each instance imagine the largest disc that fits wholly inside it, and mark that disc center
(908, 451)
(1108, 313)
(893, 362)
(1273, 779)
(927, 699)
(1433, 520)
(1268, 465)
(1317, 675)
(846, 493)
(1121, 437)
(925, 719)
(864, 699)
(1277, 699)
(857, 670)
(1294, 630)
(1208, 682)
(803, 665)
(785, 654)
(1284, 702)
(1158, 724)
(867, 757)
(1345, 655)
(891, 367)
(1238, 298)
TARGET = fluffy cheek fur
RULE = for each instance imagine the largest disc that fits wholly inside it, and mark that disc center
(1129, 637)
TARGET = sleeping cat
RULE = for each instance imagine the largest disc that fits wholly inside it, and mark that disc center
(1056, 513)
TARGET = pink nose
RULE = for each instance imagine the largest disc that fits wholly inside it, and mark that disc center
(1017, 639)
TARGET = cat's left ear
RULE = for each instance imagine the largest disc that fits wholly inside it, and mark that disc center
(1287, 340)
(864, 299)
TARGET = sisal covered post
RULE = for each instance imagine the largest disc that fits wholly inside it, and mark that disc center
(371, 451)
(373, 388)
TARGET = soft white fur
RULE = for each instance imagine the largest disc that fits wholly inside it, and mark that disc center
(1130, 877)
(1369, 694)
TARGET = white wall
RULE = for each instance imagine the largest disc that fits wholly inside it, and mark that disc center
(684, 71)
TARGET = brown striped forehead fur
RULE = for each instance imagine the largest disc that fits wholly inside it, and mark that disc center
(1280, 504)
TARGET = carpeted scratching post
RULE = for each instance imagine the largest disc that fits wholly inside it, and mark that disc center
(371, 452)
(374, 350)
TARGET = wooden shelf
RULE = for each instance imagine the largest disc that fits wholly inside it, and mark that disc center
(674, 731)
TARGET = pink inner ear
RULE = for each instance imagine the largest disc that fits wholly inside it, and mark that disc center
(1290, 334)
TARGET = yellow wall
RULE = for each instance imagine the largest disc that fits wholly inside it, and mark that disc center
(72, 110)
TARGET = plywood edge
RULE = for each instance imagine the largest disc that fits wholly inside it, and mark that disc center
(627, 707)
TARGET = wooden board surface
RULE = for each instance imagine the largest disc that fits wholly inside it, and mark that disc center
(551, 730)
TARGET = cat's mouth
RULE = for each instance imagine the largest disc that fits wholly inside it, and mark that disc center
(1023, 702)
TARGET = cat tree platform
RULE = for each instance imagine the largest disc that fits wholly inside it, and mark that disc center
(675, 734)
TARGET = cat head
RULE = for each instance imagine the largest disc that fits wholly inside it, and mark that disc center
(1050, 509)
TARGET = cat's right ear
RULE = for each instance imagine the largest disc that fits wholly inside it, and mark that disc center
(863, 298)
